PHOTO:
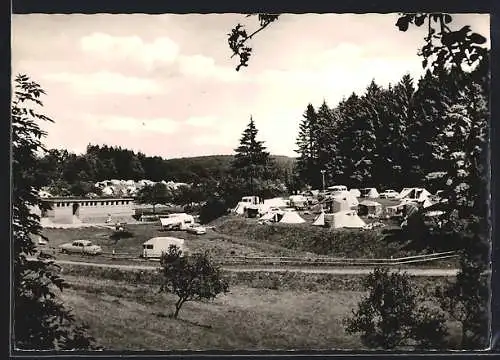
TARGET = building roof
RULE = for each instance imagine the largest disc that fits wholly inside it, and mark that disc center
(69, 198)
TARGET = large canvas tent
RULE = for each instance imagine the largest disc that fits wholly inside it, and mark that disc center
(368, 207)
(345, 219)
(291, 217)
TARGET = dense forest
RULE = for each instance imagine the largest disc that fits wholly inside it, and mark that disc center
(393, 137)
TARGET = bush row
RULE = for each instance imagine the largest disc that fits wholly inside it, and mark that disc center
(263, 279)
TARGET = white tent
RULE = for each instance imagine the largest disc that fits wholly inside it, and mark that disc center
(291, 217)
(271, 216)
(346, 196)
(340, 205)
(369, 193)
(346, 219)
(355, 192)
(320, 220)
(240, 208)
(427, 203)
(416, 194)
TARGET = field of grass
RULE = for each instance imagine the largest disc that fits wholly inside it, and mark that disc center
(219, 245)
(134, 317)
(125, 316)
(238, 236)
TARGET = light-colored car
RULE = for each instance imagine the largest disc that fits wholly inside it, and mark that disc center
(389, 194)
(196, 229)
(81, 247)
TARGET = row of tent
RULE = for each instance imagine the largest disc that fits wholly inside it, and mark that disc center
(341, 219)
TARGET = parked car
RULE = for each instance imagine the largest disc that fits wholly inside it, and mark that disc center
(81, 247)
(197, 229)
(388, 194)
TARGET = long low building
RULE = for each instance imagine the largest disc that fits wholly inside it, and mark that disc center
(68, 210)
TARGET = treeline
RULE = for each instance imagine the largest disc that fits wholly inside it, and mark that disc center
(387, 137)
(67, 173)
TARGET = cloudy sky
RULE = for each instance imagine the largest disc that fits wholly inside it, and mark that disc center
(166, 85)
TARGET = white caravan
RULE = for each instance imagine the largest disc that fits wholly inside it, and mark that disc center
(155, 247)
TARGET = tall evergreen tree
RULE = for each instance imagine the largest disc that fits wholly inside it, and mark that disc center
(251, 160)
(307, 163)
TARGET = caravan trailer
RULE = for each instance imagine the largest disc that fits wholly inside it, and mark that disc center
(155, 247)
(179, 221)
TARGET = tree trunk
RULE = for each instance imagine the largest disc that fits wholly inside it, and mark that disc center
(154, 209)
(178, 306)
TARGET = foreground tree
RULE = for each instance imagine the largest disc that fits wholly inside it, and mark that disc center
(41, 322)
(191, 277)
(393, 316)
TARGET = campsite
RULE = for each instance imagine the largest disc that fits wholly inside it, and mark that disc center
(197, 182)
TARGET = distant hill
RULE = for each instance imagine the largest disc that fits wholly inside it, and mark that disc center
(212, 165)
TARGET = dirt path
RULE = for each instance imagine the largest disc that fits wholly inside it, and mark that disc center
(315, 270)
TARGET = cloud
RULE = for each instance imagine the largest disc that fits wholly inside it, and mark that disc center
(162, 49)
(201, 121)
(205, 67)
(131, 124)
(106, 83)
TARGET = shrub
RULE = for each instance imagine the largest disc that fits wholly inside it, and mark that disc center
(213, 209)
(393, 315)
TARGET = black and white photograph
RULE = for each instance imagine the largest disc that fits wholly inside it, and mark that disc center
(250, 182)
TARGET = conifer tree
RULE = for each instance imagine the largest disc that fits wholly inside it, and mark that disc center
(307, 163)
(251, 160)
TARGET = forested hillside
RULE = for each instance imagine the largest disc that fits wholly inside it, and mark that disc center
(66, 172)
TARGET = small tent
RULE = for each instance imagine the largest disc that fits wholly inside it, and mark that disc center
(269, 216)
(320, 220)
(240, 208)
(345, 219)
(371, 193)
(355, 192)
(370, 208)
(416, 194)
(427, 203)
(291, 217)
